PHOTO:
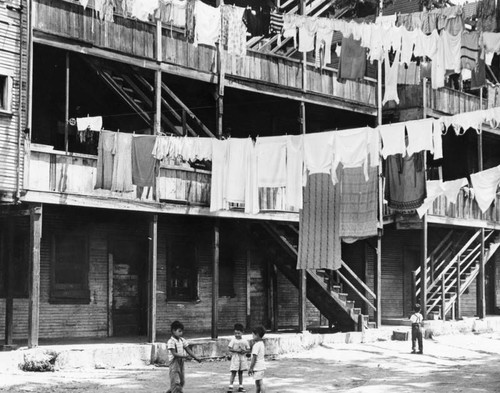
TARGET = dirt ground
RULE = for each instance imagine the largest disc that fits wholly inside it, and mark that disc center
(459, 363)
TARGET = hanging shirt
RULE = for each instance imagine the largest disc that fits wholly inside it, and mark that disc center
(307, 30)
(352, 60)
(234, 30)
(393, 139)
(350, 148)
(408, 40)
(485, 184)
(420, 135)
(294, 171)
(143, 161)
(318, 152)
(271, 161)
(376, 51)
(207, 24)
(469, 49)
(276, 22)
(451, 48)
(105, 160)
(323, 49)
(391, 79)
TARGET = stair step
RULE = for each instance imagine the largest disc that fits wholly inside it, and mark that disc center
(336, 288)
(117, 78)
(356, 311)
(342, 296)
(349, 304)
(128, 89)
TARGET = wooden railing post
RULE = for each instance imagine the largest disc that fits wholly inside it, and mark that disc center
(481, 282)
(459, 273)
(443, 298)
(302, 300)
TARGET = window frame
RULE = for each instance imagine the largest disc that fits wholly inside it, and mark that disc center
(171, 296)
(7, 87)
(64, 293)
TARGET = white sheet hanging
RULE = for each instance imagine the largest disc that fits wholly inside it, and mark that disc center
(485, 184)
(271, 161)
(294, 171)
(452, 188)
(420, 135)
(393, 139)
(318, 152)
(350, 148)
(434, 189)
(218, 178)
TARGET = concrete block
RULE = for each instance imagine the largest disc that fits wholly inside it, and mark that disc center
(400, 335)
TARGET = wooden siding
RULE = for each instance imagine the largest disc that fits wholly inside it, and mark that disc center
(450, 102)
(265, 72)
(10, 37)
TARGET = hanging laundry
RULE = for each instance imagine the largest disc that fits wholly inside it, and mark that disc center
(437, 140)
(323, 47)
(172, 12)
(202, 149)
(294, 171)
(429, 22)
(350, 148)
(486, 15)
(89, 123)
(251, 186)
(307, 30)
(190, 5)
(434, 188)
(358, 203)
(207, 24)
(420, 135)
(485, 184)
(454, 25)
(408, 41)
(452, 188)
(470, 10)
(257, 21)
(405, 182)
(391, 79)
(141, 9)
(271, 161)
(393, 139)
(391, 38)
(105, 160)
(143, 162)
(319, 239)
(237, 169)
(218, 177)
(493, 95)
(122, 165)
(469, 49)
(451, 51)
(276, 22)
(438, 63)
(478, 74)
(290, 27)
(352, 60)
(376, 50)
(318, 152)
(234, 31)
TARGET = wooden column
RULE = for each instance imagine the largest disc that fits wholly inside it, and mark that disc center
(34, 277)
(110, 293)
(274, 284)
(302, 300)
(159, 52)
(66, 106)
(152, 269)
(459, 273)
(249, 290)
(220, 84)
(8, 257)
(481, 282)
(215, 280)
(423, 268)
(378, 281)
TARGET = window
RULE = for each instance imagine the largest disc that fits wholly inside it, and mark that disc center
(69, 269)
(5, 90)
(226, 271)
(19, 272)
(182, 271)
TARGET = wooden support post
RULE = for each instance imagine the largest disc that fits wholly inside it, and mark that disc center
(274, 284)
(378, 281)
(8, 257)
(270, 294)
(459, 288)
(152, 269)
(66, 106)
(220, 87)
(34, 277)
(423, 268)
(184, 123)
(481, 309)
(215, 279)
(110, 293)
(302, 115)
(302, 299)
(443, 299)
(249, 290)
(158, 78)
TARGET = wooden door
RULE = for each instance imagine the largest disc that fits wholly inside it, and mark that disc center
(129, 307)
(411, 259)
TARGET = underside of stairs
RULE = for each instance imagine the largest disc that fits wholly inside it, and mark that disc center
(323, 290)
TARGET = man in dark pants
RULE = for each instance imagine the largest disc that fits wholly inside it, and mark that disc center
(416, 330)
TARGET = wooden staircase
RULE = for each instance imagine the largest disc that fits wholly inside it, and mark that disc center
(452, 267)
(138, 93)
(324, 288)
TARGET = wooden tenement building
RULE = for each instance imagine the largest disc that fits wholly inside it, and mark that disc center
(76, 261)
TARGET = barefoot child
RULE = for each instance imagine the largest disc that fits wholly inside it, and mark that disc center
(238, 347)
(258, 364)
(178, 350)
(416, 332)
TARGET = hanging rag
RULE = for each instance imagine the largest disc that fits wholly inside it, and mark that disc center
(405, 182)
(452, 188)
(271, 161)
(352, 60)
(294, 171)
(485, 184)
(393, 139)
(358, 203)
(420, 135)
(143, 161)
(319, 240)
(391, 79)
(218, 177)
(122, 165)
(434, 188)
(105, 160)
(318, 152)
(207, 24)
(89, 123)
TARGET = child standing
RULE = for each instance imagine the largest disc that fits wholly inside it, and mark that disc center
(416, 332)
(258, 365)
(238, 347)
(178, 350)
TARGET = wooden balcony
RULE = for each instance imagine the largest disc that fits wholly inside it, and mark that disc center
(68, 26)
